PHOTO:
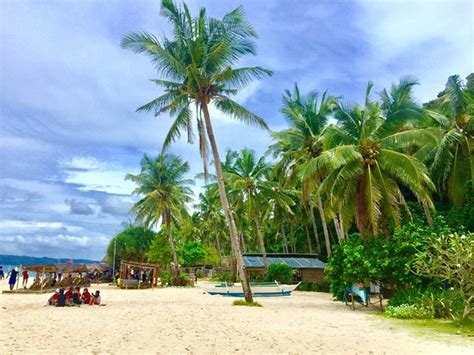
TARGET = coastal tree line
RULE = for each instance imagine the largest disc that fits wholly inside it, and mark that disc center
(339, 168)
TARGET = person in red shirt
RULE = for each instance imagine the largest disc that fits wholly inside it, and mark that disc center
(86, 296)
(54, 298)
(69, 293)
(25, 278)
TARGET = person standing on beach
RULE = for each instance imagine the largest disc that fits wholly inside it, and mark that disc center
(2, 275)
(25, 278)
(12, 280)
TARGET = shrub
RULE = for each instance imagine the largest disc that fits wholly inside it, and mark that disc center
(444, 303)
(314, 287)
(406, 311)
(223, 276)
(193, 254)
(449, 257)
(279, 272)
(181, 280)
(165, 277)
(389, 261)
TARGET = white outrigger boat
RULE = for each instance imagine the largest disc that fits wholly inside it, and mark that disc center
(259, 289)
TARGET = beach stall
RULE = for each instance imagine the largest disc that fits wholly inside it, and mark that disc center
(137, 275)
(307, 267)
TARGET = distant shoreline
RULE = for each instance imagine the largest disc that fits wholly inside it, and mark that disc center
(30, 260)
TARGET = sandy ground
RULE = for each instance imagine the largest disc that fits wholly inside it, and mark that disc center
(185, 320)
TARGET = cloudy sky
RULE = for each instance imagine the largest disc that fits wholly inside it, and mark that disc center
(68, 94)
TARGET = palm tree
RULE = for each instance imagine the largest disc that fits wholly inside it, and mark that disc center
(452, 158)
(307, 116)
(210, 211)
(164, 193)
(253, 192)
(196, 66)
(367, 166)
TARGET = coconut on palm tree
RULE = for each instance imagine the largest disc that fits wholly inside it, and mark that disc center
(196, 69)
(368, 167)
(164, 192)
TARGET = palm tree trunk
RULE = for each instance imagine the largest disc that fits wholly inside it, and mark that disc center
(337, 226)
(292, 239)
(315, 229)
(341, 223)
(218, 242)
(167, 218)
(283, 235)
(261, 242)
(429, 219)
(325, 226)
(308, 239)
(242, 238)
(234, 238)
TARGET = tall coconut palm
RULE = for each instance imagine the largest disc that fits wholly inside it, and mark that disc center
(164, 192)
(307, 116)
(196, 69)
(452, 159)
(364, 154)
(253, 191)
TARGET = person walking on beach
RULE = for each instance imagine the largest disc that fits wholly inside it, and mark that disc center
(25, 278)
(2, 275)
(12, 280)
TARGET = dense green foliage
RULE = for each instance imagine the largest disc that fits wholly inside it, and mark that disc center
(193, 254)
(160, 252)
(131, 244)
(388, 261)
(451, 257)
(279, 272)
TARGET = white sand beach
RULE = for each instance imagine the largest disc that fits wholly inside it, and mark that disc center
(185, 320)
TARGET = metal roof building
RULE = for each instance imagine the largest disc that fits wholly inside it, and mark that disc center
(307, 266)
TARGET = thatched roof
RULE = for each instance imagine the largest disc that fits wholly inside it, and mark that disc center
(41, 268)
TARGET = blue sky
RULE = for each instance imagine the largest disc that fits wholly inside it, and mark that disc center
(68, 94)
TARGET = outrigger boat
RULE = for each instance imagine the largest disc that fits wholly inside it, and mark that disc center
(259, 289)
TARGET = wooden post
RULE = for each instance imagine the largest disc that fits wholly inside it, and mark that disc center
(42, 278)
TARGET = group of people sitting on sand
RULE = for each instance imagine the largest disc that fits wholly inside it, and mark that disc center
(74, 297)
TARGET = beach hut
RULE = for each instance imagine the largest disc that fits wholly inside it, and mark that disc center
(131, 272)
(307, 267)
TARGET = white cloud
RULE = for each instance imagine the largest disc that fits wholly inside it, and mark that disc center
(19, 225)
(62, 239)
(428, 39)
(94, 175)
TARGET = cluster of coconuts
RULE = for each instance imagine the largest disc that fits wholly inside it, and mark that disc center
(370, 156)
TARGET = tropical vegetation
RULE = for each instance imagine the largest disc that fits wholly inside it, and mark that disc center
(368, 186)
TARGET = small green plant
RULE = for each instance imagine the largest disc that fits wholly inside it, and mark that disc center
(314, 287)
(409, 311)
(223, 276)
(165, 277)
(245, 303)
(279, 272)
